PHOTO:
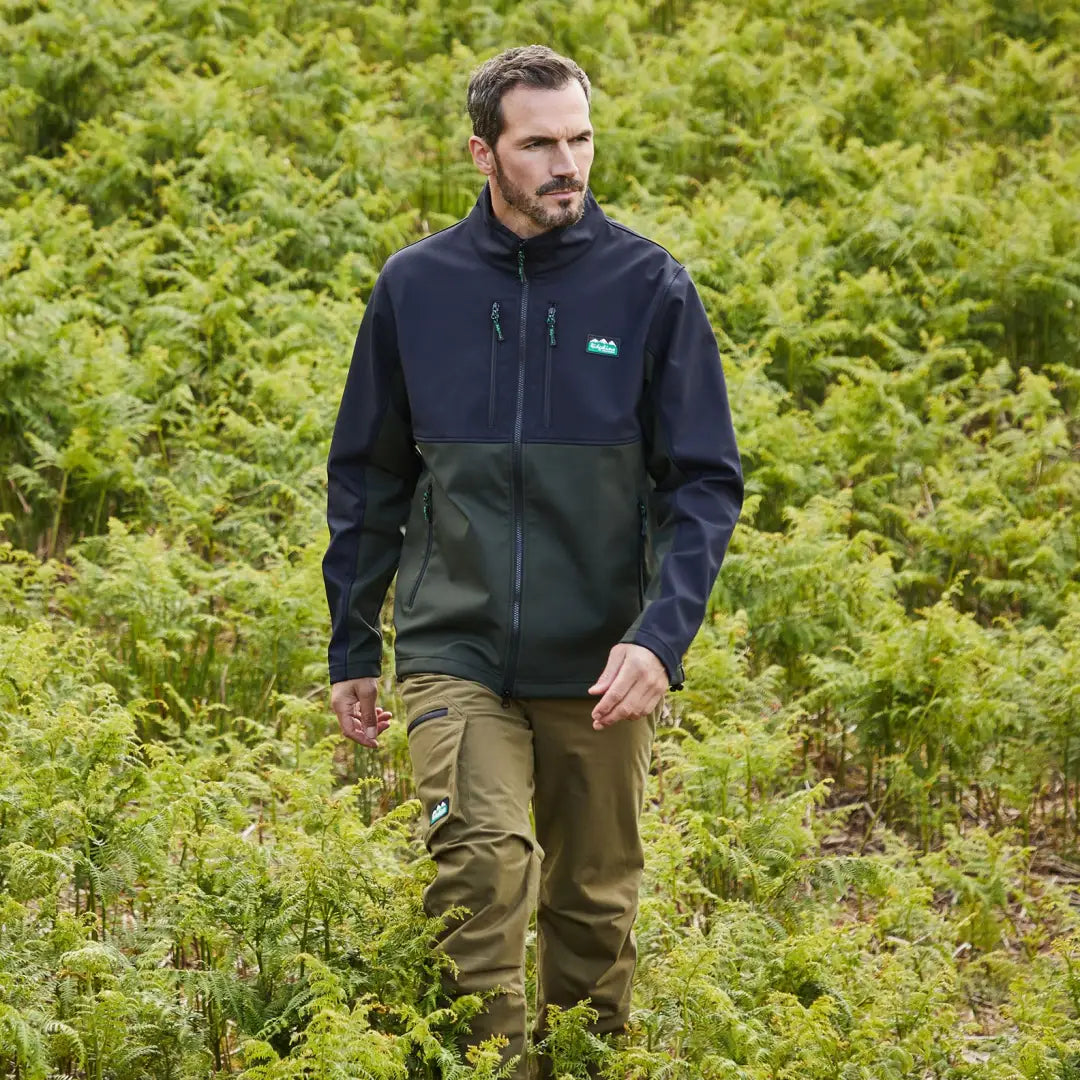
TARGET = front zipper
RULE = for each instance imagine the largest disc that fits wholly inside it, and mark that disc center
(496, 337)
(550, 339)
(643, 533)
(431, 714)
(428, 517)
(517, 512)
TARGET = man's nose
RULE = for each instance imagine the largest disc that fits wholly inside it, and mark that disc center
(564, 163)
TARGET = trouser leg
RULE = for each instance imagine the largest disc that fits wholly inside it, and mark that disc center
(473, 770)
(589, 789)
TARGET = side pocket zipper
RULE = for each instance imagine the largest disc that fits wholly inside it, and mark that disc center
(431, 714)
(429, 518)
(643, 533)
(496, 337)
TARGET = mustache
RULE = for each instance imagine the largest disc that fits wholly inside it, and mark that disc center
(548, 190)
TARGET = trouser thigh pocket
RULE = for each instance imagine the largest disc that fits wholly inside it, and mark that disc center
(435, 733)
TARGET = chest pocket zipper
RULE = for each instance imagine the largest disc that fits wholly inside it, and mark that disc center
(496, 337)
(429, 518)
(550, 344)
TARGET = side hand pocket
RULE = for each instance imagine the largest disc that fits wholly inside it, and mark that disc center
(435, 733)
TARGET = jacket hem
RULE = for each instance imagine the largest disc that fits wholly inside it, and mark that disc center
(492, 679)
(445, 665)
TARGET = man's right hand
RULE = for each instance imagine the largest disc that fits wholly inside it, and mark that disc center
(360, 719)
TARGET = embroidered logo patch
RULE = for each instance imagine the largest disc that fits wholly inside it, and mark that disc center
(442, 808)
(603, 346)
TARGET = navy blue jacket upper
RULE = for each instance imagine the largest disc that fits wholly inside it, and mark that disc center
(535, 434)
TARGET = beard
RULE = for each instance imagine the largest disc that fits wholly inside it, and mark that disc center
(540, 211)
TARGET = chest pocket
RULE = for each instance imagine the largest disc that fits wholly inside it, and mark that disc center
(502, 314)
(550, 343)
(589, 382)
(497, 338)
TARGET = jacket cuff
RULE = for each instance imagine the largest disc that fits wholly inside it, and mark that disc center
(663, 651)
(358, 671)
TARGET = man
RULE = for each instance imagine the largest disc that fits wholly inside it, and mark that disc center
(536, 404)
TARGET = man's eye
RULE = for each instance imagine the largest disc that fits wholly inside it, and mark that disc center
(536, 145)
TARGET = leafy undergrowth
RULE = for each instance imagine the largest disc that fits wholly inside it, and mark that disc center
(864, 810)
(225, 902)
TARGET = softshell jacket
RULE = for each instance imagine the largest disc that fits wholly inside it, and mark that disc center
(535, 434)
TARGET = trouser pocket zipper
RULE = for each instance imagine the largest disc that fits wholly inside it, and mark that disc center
(431, 714)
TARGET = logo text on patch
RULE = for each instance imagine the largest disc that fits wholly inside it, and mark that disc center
(603, 346)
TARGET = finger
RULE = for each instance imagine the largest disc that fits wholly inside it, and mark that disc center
(360, 725)
(632, 707)
(611, 670)
(365, 723)
(353, 729)
(344, 719)
(623, 684)
(370, 727)
(625, 710)
(635, 689)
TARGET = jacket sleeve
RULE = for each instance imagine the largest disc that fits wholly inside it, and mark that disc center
(371, 474)
(694, 465)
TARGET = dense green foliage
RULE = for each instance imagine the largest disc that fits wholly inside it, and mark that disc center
(862, 807)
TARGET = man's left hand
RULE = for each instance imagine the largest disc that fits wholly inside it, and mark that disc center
(633, 684)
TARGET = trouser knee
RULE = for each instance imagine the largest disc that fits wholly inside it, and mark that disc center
(493, 875)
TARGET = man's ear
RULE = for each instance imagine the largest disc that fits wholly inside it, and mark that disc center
(482, 156)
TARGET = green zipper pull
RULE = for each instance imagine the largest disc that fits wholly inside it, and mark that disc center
(521, 263)
(427, 503)
(551, 325)
(495, 320)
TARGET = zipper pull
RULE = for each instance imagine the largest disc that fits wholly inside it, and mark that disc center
(551, 325)
(427, 503)
(521, 263)
(495, 320)
(644, 517)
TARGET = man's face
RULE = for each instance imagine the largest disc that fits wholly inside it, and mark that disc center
(539, 166)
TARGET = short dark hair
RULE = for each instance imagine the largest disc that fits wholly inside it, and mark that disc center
(533, 65)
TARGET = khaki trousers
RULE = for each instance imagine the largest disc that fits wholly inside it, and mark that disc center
(476, 767)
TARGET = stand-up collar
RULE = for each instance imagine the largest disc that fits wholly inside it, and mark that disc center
(547, 251)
